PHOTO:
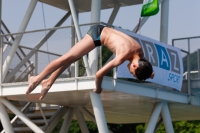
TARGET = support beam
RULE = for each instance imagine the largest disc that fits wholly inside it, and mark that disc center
(167, 118)
(90, 116)
(154, 117)
(81, 121)
(52, 122)
(18, 38)
(35, 49)
(114, 14)
(198, 61)
(99, 112)
(95, 17)
(21, 116)
(164, 21)
(158, 124)
(78, 33)
(93, 56)
(30, 67)
(68, 118)
(36, 63)
(5, 119)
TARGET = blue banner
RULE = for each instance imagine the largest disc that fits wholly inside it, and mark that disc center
(165, 59)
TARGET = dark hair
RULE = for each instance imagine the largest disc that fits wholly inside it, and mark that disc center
(144, 69)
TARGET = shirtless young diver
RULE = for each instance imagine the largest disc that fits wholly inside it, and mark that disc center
(123, 46)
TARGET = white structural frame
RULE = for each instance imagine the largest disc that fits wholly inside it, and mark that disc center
(18, 38)
(32, 52)
(154, 117)
(95, 98)
(99, 118)
(67, 120)
(21, 116)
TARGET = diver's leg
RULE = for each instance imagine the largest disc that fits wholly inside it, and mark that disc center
(77, 51)
(47, 83)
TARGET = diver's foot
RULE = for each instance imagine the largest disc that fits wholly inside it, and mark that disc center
(45, 88)
(98, 91)
(33, 83)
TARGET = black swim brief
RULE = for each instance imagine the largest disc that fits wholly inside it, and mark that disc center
(95, 33)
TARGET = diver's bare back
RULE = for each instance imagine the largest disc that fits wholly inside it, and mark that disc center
(120, 43)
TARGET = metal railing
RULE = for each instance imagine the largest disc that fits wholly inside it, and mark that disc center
(191, 57)
(33, 51)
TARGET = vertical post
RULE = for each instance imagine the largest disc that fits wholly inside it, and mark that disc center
(188, 67)
(167, 118)
(95, 17)
(198, 60)
(73, 65)
(164, 21)
(93, 56)
(154, 117)
(36, 62)
(18, 38)
(75, 41)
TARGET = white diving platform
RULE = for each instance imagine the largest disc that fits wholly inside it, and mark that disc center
(120, 102)
(125, 102)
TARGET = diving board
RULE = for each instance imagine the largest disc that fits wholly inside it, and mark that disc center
(123, 102)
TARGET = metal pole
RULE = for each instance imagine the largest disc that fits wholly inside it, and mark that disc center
(188, 66)
(18, 38)
(164, 21)
(81, 121)
(95, 17)
(93, 56)
(36, 63)
(73, 36)
(99, 112)
(158, 124)
(114, 14)
(20, 115)
(167, 118)
(78, 33)
(76, 63)
(198, 60)
(68, 118)
(90, 116)
(154, 117)
(5, 119)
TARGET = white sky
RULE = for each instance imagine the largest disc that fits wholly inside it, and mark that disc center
(184, 19)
